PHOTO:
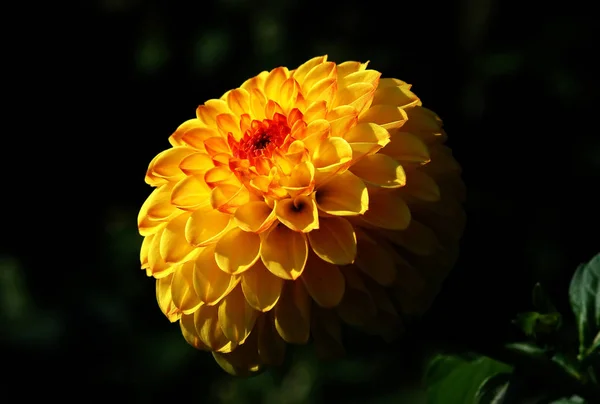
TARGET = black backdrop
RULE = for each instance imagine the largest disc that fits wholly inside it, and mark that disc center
(99, 86)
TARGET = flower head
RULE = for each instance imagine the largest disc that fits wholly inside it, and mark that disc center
(304, 199)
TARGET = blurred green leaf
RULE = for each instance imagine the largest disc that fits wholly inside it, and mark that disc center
(527, 348)
(527, 322)
(584, 294)
(570, 400)
(493, 389)
(568, 363)
(451, 379)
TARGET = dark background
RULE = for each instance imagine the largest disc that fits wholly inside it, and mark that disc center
(99, 87)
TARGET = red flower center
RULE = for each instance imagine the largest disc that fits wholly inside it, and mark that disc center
(262, 138)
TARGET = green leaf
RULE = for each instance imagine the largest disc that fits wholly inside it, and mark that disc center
(584, 294)
(451, 379)
(569, 364)
(492, 389)
(527, 322)
(533, 323)
(527, 348)
(570, 400)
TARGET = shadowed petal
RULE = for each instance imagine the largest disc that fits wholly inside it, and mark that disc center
(211, 284)
(284, 252)
(261, 288)
(334, 241)
(292, 313)
(299, 214)
(323, 281)
(236, 316)
(182, 288)
(345, 196)
(237, 251)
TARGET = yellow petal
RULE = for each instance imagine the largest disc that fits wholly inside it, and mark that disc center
(197, 136)
(196, 164)
(331, 151)
(238, 101)
(144, 250)
(206, 227)
(315, 111)
(301, 179)
(243, 361)
(189, 332)
(363, 76)
(156, 209)
(388, 116)
(315, 133)
(261, 288)
(191, 193)
(165, 300)
(299, 213)
(400, 96)
(254, 216)
(228, 197)
(320, 72)
(323, 90)
(216, 145)
(357, 95)
(206, 319)
(237, 251)
(323, 281)
(228, 123)
(221, 159)
(345, 195)
(208, 112)
(274, 82)
(331, 156)
(292, 313)
(342, 119)
(210, 283)
(219, 175)
(380, 170)
(346, 68)
(271, 347)
(388, 211)
(255, 83)
(182, 288)
(288, 93)
(236, 317)
(300, 73)
(257, 104)
(334, 241)
(174, 247)
(284, 252)
(166, 164)
(366, 138)
(391, 82)
(423, 122)
(176, 138)
(407, 148)
(272, 108)
(157, 267)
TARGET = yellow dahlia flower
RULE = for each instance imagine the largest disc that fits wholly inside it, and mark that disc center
(301, 200)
